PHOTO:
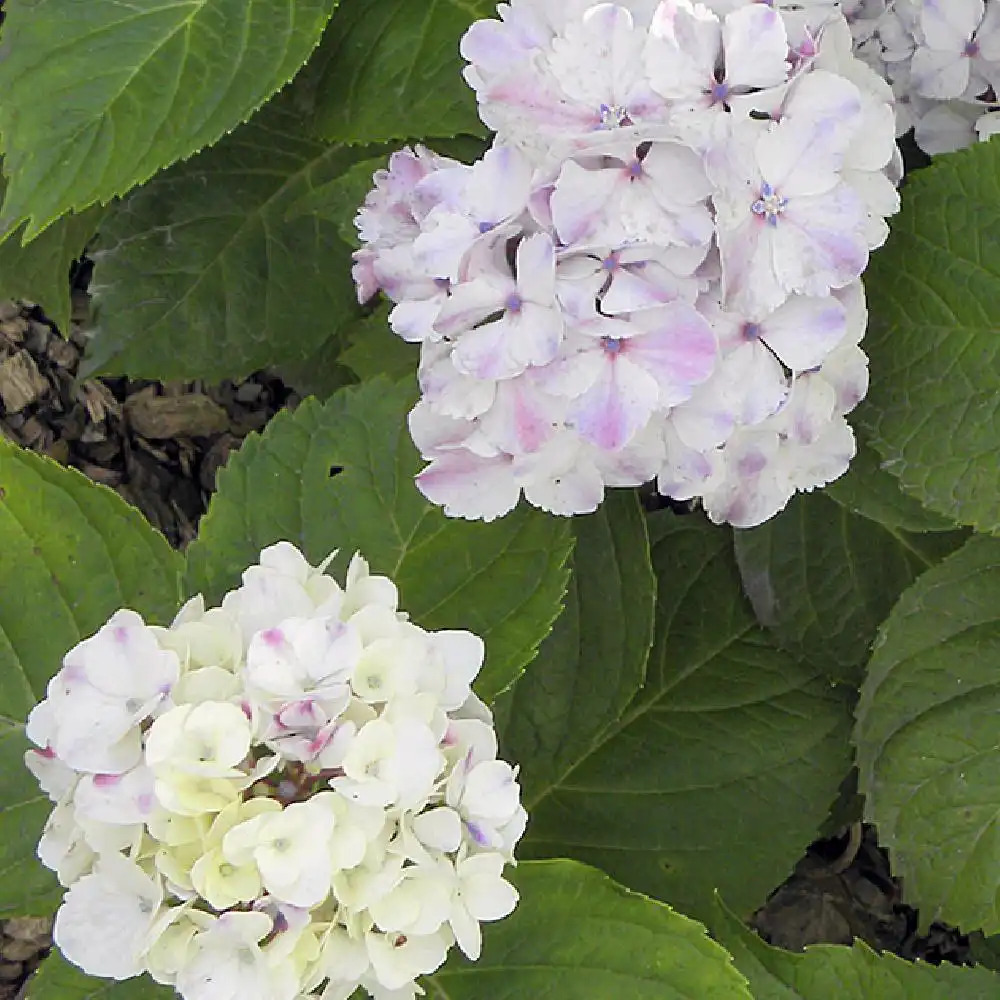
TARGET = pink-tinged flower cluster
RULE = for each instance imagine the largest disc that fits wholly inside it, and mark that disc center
(942, 58)
(653, 274)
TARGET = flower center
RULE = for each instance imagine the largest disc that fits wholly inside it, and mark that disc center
(611, 345)
(513, 303)
(614, 116)
(719, 91)
(769, 205)
(751, 331)
(971, 48)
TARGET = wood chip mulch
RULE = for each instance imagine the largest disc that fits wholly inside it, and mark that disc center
(159, 446)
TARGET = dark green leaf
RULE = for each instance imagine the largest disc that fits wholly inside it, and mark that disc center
(389, 69)
(869, 490)
(202, 275)
(373, 349)
(39, 272)
(732, 750)
(823, 579)
(591, 666)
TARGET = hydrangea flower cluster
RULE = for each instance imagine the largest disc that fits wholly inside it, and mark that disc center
(942, 58)
(653, 274)
(294, 793)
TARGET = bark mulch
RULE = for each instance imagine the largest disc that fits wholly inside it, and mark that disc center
(159, 446)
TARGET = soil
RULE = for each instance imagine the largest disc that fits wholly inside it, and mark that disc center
(160, 447)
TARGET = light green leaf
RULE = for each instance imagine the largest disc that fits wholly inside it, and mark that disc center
(504, 581)
(80, 553)
(202, 276)
(99, 95)
(389, 69)
(869, 490)
(576, 934)
(732, 750)
(39, 272)
(591, 666)
(823, 579)
(933, 411)
(926, 738)
(829, 972)
(26, 888)
(58, 980)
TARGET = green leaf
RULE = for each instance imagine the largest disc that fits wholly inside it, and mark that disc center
(81, 553)
(338, 200)
(823, 579)
(504, 581)
(869, 490)
(201, 274)
(39, 272)
(926, 738)
(732, 750)
(99, 96)
(389, 69)
(825, 972)
(373, 349)
(321, 374)
(933, 411)
(591, 666)
(577, 934)
(26, 888)
(56, 979)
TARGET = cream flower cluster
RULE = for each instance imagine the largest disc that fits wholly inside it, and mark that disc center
(942, 58)
(296, 793)
(653, 274)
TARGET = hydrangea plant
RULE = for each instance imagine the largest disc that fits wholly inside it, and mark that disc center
(645, 382)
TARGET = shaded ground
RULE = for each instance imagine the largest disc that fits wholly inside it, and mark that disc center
(842, 889)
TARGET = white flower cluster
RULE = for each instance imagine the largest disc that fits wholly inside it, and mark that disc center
(293, 794)
(654, 271)
(942, 58)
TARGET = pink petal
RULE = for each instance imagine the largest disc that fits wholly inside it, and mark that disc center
(949, 24)
(679, 351)
(580, 199)
(804, 330)
(819, 242)
(499, 186)
(536, 269)
(469, 486)
(756, 47)
(617, 405)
